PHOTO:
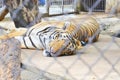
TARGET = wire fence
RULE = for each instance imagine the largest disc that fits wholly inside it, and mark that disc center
(61, 6)
(95, 61)
(1, 3)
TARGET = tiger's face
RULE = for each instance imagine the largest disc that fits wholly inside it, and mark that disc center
(62, 44)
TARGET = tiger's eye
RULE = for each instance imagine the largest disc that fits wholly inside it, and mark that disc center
(70, 46)
(56, 37)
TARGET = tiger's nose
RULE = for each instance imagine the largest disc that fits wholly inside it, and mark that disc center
(46, 53)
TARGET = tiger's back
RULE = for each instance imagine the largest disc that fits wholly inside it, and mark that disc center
(83, 29)
(45, 24)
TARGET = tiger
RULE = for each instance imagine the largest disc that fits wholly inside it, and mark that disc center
(58, 38)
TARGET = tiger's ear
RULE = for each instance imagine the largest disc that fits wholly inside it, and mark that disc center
(66, 24)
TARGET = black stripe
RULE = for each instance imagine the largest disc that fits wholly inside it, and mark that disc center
(55, 32)
(71, 39)
(42, 31)
(44, 42)
(30, 31)
(41, 41)
(32, 42)
(46, 30)
(25, 42)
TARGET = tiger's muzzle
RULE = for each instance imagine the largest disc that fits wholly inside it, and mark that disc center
(62, 47)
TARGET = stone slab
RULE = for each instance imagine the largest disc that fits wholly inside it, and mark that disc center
(96, 59)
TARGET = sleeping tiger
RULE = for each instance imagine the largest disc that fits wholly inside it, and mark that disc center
(58, 37)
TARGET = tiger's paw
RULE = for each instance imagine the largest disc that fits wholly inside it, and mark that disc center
(83, 43)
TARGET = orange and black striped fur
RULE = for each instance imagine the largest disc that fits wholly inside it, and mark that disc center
(58, 37)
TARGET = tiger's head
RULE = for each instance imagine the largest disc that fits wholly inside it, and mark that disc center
(62, 43)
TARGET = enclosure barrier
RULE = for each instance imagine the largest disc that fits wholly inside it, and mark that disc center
(97, 61)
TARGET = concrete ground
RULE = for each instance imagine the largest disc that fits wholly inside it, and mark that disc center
(98, 61)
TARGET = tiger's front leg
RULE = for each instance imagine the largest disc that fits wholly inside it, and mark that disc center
(14, 33)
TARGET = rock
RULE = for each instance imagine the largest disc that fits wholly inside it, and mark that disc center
(110, 26)
(10, 59)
